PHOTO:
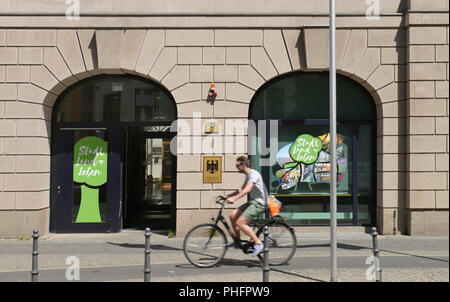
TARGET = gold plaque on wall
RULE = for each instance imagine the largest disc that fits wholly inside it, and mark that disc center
(212, 169)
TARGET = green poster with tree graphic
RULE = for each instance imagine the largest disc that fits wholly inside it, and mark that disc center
(90, 161)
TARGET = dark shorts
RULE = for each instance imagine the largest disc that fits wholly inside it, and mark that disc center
(251, 210)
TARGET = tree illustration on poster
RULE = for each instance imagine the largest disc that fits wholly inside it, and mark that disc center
(90, 169)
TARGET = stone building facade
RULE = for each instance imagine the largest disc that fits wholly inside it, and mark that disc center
(400, 57)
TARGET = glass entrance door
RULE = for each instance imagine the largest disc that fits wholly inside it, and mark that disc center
(150, 187)
(157, 175)
(114, 112)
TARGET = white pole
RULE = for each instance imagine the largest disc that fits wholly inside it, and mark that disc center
(333, 203)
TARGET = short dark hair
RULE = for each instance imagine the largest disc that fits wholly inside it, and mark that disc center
(244, 159)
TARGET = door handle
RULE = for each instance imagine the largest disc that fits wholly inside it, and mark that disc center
(58, 190)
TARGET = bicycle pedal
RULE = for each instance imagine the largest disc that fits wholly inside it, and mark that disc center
(248, 250)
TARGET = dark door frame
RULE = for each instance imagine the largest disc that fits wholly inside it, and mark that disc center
(61, 180)
(55, 140)
(58, 144)
(171, 135)
(173, 191)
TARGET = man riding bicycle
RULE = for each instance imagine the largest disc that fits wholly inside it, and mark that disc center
(205, 245)
(248, 212)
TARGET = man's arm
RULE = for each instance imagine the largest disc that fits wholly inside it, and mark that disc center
(235, 192)
(240, 193)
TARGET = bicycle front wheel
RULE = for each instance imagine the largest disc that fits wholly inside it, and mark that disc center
(282, 242)
(205, 245)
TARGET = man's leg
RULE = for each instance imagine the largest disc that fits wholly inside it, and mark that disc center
(242, 223)
(233, 218)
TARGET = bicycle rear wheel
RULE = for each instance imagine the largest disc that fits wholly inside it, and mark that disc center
(205, 245)
(282, 242)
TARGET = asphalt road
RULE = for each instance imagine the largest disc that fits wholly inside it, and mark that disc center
(227, 266)
(121, 258)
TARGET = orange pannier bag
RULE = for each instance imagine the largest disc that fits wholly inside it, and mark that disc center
(274, 205)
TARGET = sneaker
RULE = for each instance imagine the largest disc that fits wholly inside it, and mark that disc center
(257, 249)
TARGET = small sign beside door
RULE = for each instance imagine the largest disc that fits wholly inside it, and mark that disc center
(212, 169)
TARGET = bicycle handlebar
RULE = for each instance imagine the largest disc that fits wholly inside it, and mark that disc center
(220, 200)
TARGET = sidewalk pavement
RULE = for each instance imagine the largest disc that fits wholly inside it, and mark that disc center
(120, 257)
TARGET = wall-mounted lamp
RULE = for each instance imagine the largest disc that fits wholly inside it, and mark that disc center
(212, 90)
(212, 94)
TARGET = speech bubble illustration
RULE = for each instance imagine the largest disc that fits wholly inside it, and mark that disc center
(307, 160)
(305, 149)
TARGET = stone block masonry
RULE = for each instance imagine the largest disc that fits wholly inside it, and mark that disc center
(401, 60)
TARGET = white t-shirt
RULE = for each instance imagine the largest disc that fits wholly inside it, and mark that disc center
(258, 192)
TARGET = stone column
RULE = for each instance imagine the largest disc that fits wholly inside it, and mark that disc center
(427, 160)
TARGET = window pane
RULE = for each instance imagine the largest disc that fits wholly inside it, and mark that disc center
(116, 98)
(303, 186)
(301, 96)
(365, 198)
(76, 105)
(315, 210)
(365, 159)
(290, 177)
(158, 171)
(153, 105)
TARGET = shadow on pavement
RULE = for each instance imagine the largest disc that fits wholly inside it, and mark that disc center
(339, 245)
(296, 275)
(142, 246)
(226, 262)
(249, 264)
(358, 247)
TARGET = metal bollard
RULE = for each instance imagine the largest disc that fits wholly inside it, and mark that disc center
(266, 268)
(147, 270)
(34, 260)
(376, 252)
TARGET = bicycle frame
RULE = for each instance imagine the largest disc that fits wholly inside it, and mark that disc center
(244, 247)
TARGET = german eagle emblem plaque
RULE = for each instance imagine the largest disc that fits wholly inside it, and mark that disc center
(212, 169)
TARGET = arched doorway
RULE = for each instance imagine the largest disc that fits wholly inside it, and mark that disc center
(300, 177)
(111, 161)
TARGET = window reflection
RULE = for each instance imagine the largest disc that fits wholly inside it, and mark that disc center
(116, 98)
(300, 102)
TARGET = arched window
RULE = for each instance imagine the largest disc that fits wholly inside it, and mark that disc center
(114, 99)
(111, 159)
(300, 177)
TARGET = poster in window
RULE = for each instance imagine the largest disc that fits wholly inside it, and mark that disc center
(307, 160)
(90, 162)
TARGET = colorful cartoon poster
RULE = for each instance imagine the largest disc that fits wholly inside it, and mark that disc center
(307, 160)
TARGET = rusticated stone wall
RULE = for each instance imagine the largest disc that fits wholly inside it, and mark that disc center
(401, 60)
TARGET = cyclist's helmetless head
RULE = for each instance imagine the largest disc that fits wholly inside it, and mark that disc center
(242, 163)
